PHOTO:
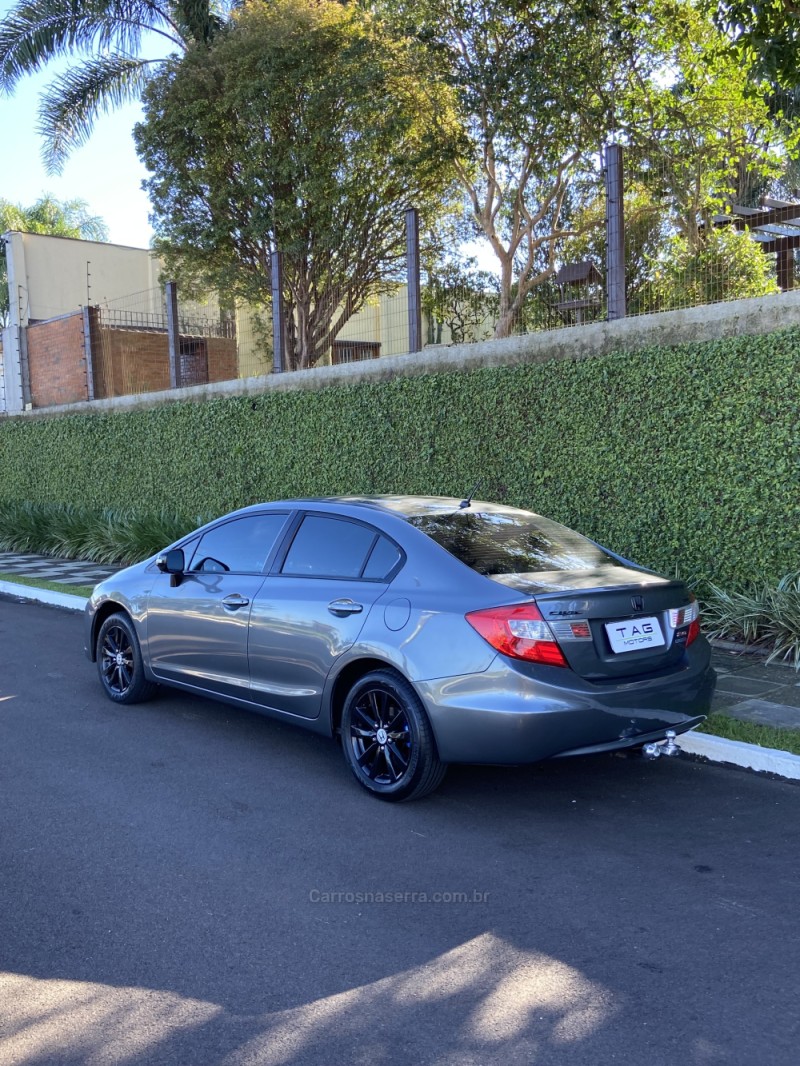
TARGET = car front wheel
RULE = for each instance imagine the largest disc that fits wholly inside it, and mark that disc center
(387, 739)
(119, 662)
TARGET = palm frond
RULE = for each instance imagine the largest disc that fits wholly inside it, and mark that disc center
(38, 31)
(76, 98)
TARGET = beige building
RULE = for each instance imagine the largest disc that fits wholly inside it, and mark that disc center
(50, 278)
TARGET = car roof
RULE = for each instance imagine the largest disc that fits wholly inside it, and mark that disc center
(409, 506)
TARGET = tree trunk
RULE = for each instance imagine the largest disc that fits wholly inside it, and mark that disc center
(507, 310)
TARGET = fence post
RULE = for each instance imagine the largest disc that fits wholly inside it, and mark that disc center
(413, 276)
(171, 296)
(88, 353)
(615, 233)
(278, 314)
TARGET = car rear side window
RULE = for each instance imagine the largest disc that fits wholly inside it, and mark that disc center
(241, 546)
(329, 547)
(383, 558)
(519, 543)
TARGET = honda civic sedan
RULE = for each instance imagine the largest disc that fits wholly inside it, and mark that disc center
(421, 631)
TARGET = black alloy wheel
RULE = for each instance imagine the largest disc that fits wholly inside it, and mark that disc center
(119, 662)
(387, 739)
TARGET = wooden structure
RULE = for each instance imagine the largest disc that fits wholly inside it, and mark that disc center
(580, 288)
(775, 226)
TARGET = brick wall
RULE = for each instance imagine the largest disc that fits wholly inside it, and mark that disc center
(125, 361)
(56, 361)
(131, 361)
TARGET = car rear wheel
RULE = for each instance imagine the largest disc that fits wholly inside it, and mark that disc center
(387, 739)
(119, 662)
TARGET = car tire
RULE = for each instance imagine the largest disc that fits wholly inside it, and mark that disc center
(387, 739)
(119, 662)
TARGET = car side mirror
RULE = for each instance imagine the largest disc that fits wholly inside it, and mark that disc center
(173, 563)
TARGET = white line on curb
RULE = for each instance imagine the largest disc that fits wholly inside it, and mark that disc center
(751, 756)
(55, 599)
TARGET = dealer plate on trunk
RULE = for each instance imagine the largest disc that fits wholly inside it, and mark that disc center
(635, 634)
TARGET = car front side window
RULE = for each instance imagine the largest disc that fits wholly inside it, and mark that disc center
(240, 546)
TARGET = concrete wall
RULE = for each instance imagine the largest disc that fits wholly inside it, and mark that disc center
(11, 387)
(739, 317)
(49, 276)
(384, 319)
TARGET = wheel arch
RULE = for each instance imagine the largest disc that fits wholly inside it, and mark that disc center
(105, 610)
(347, 677)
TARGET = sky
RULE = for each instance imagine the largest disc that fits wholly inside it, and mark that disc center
(105, 172)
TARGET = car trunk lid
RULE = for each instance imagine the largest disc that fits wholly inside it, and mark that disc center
(611, 622)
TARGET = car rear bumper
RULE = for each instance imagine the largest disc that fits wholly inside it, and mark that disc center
(505, 716)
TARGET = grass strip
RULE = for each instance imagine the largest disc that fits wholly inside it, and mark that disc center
(765, 736)
(52, 586)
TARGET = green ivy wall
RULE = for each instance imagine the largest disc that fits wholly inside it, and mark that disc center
(684, 458)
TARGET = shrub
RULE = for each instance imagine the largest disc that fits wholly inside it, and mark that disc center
(78, 532)
(766, 614)
(683, 457)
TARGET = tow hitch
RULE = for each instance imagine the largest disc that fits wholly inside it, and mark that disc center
(667, 746)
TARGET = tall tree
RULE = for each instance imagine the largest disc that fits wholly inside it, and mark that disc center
(541, 85)
(766, 33)
(61, 218)
(107, 37)
(306, 129)
(533, 84)
(707, 134)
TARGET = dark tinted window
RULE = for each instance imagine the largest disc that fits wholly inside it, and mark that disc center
(329, 547)
(383, 559)
(240, 546)
(510, 543)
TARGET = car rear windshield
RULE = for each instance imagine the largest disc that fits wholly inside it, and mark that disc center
(511, 542)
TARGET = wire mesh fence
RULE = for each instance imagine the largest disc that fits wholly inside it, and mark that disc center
(690, 232)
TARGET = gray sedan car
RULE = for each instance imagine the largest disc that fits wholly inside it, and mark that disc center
(421, 631)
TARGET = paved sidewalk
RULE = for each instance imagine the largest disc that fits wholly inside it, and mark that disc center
(65, 571)
(747, 688)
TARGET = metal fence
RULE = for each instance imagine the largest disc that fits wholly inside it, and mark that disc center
(630, 240)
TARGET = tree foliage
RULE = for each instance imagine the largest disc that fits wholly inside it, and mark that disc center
(529, 80)
(541, 86)
(106, 37)
(766, 34)
(60, 218)
(305, 128)
(725, 265)
(707, 135)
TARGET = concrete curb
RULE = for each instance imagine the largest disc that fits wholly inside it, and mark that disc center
(736, 752)
(55, 599)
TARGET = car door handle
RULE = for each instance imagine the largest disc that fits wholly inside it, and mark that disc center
(234, 602)
(345, 607)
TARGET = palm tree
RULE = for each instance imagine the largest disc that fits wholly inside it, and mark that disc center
(107, 34)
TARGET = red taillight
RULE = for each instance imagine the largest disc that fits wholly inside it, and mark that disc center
(690, 614)
(518, 631)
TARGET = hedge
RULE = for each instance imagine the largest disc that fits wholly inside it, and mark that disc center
(685, 459)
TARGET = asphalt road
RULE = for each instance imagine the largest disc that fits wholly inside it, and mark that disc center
(182, 883)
